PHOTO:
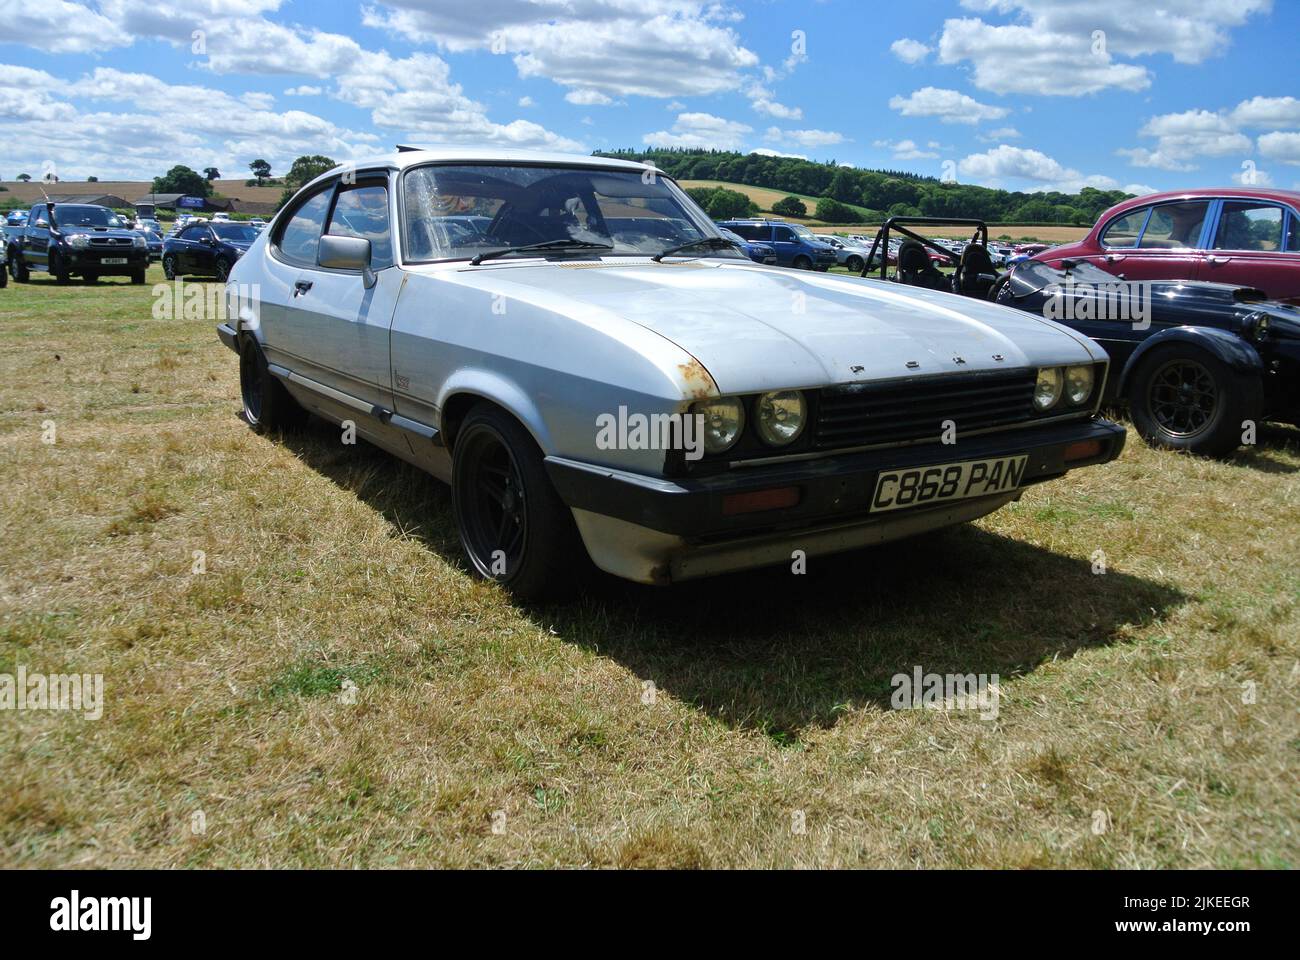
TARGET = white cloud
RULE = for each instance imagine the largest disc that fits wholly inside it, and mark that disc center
(804, 138)
(1006, 162)
(908, 150)
(1267, 112)
(700, 130)
(1284, 147)
(1068, 47)
(652, 48)
(60, 26)
(1001, 133)
(773, 109)
(527, 102)
(948, 105)
(1183, 137)
(1030, 59)
(588, 98)
(304, 91)
(909, 51)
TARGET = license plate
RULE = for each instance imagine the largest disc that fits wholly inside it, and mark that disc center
(918, 486)
(113, 261)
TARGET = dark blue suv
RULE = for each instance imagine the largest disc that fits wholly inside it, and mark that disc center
(77, 238)
(206, 249)
(795, 245)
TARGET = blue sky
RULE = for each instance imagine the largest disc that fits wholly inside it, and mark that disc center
(1024, 94)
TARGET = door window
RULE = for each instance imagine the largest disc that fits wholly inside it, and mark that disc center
(1125, 230)
(362, 211)
(1249, 225)
(300, 237)
(1175, 226)
(785, 235)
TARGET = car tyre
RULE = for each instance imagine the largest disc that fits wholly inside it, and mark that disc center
(1184, 398)
(513, 526)
(169, 267)
(57, 269)
(223, 269)
(267, 403)
(4, 276)
(802, 263)
(90, 277)
(854, 264)
(19, 269)
(137, 276)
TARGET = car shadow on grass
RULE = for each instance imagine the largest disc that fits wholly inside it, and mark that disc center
(779, 652)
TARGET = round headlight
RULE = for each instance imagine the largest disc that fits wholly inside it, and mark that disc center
(1078, 384)
(781, 416)
(78, 241)
(1047, 391)
(724, 418)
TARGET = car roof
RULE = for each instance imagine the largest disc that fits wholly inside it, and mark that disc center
(405, 157)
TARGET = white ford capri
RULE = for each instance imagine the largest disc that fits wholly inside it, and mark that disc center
(573, 346)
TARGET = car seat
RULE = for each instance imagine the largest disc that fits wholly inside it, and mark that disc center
(975, 274)
(916, 269)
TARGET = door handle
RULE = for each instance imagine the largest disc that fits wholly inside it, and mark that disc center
(301, 286)
(1114, 257)
(1220, 261)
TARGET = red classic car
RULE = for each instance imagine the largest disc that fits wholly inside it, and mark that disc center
(1243, 236)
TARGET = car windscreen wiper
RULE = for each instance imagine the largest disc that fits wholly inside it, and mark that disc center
(711, 242)
(547, 245)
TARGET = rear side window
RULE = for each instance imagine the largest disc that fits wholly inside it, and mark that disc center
(362, 211)
(785, 235)
(1175, 226)
(300, 238)
(1124, 231)
(747, 231)
(1247, 225)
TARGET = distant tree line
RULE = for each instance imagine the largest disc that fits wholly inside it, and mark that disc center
(859, 195)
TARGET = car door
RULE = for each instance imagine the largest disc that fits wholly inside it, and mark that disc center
(336, 329)
(1255, 245)
(786, 243)
(1170, 246)
(36, 238)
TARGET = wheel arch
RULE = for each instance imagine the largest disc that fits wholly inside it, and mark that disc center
(463, 392)
(1240, 356)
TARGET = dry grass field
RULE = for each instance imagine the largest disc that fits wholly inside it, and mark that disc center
(334, 689)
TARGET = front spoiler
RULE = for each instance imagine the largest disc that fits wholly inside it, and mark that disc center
(832, 489)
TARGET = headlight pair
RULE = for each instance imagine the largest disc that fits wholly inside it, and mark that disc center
(779, 417)
(1075, 384)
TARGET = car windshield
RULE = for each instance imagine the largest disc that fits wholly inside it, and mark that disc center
(803, 231)
(236, 232)
(84, 217)
(461, 211)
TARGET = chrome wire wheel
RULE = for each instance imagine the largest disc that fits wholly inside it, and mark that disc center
(1183, 398)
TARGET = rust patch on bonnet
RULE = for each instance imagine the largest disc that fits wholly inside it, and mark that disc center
(698, 381)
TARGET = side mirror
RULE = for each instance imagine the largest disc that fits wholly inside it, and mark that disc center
(42, 222)
(346, 253)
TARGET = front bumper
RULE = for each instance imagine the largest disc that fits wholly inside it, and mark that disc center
(79, 261)
(655, 530)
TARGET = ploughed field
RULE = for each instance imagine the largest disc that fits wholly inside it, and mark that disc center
(334, 689)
